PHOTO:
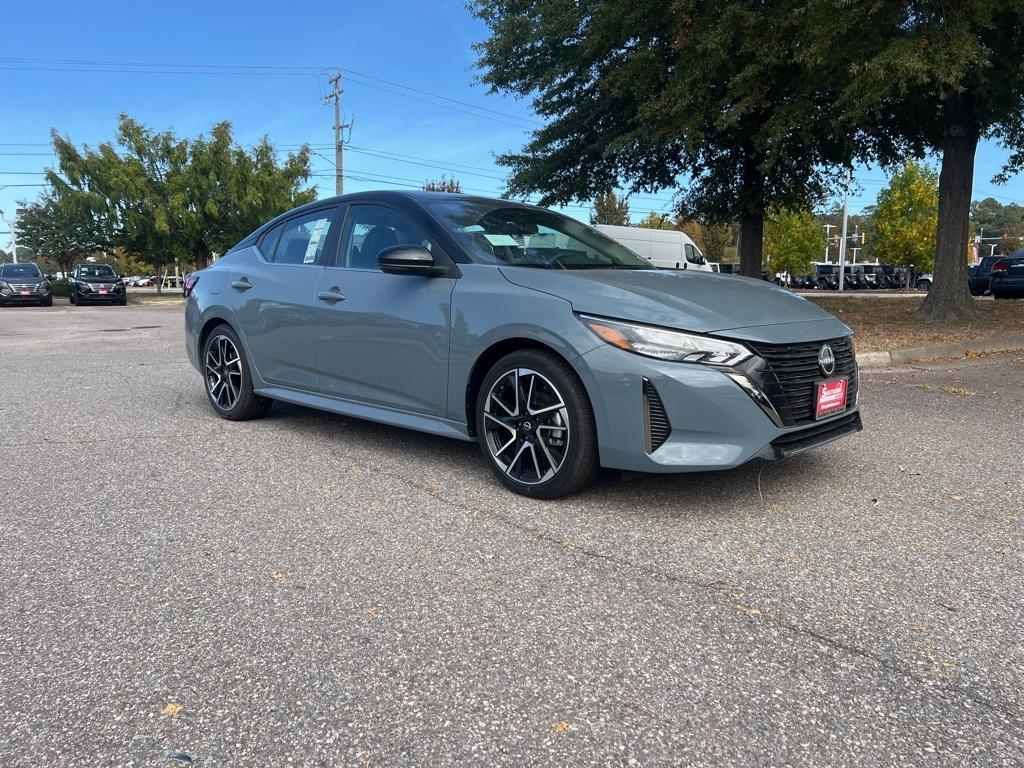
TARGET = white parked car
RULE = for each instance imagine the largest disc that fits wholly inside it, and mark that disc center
(664, 248)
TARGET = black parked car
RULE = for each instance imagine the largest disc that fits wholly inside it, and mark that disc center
(24, 284)
(978, 276)
(1008, 277)
(96, 283)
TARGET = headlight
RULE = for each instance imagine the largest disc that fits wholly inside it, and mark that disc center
(664, 344)
(82, 284)
(4, 285)
(43, 287)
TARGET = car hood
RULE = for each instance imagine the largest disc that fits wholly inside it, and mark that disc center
(23, 280)
(703, 302)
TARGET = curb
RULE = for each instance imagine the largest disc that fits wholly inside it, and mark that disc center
(945, 351)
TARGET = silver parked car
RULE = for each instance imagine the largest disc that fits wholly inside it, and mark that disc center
(553, 346)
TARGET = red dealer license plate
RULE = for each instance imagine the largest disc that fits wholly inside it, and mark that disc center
(25, 293)
(830, 397)
(103, 291)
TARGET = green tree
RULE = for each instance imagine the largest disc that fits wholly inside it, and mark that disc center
(906, 217)
(443, 185)
(163, 199)
(647, 93)
(63, 228)
(945, 74)
(719, 240)
(609, 209)
(654, 220)
(792, 240)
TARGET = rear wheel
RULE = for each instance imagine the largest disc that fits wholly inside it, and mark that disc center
(227, 377)
(71, 296)
(535, 425)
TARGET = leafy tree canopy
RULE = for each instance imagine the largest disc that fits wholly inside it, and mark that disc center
(906, 218)
(162, 198)
(444, 184)
(610, 209)
(792, 240)
(63, 229)
(647, 93)
(655, 220)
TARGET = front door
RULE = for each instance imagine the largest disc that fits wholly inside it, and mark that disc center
(274, 290)
(383, 339)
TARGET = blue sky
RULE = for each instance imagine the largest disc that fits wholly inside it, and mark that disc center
(420, 45)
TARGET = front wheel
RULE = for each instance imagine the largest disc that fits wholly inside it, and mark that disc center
(535, 425)
(227, 377)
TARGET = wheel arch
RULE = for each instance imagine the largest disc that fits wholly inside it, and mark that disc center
(493, 354)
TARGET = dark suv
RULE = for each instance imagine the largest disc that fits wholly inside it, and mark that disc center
(24, 284)
(91, 283)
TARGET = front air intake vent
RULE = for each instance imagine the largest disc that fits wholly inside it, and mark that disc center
(656, 423)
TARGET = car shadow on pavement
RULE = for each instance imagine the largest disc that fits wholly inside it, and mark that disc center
(729, 492)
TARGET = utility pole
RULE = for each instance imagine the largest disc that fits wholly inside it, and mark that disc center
(339, 160)
(842, 242)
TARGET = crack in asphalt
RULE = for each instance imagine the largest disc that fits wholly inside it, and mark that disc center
(1011, 717)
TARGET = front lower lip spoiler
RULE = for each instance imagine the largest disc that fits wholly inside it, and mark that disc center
(757, 396)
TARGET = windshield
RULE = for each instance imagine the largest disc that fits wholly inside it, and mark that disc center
(95, 270)
(19, 270)
(521, 236)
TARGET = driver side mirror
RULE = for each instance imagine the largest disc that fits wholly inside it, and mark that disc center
(409, 260)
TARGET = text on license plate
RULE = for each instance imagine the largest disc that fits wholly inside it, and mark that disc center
(103, 291)
(830, 397)
(25, 293)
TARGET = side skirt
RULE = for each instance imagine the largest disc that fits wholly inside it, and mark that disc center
(394, 417)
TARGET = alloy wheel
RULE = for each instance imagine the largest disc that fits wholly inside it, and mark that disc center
(526, 425)
(223, 372)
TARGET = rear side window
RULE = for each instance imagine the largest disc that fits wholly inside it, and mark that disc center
(269, 241)
(304, 239)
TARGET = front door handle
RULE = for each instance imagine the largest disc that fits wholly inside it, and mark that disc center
(242, 284)
(332, 295)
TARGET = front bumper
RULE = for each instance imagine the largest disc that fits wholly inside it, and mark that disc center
(10, 298)
(714, 423)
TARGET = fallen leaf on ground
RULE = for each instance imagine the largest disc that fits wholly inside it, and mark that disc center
(919, 628)
(962, 391)
(276, 575)
(875, 502)
(958, 498)
(562, 726)
(171, 709)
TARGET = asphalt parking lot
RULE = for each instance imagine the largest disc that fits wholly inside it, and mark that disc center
(314, 590)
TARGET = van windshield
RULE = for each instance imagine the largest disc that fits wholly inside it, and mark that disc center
(523, 236)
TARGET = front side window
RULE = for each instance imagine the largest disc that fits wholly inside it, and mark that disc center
(304, 239)
(692, 254)
(369, 229)
(20, 270)
(523, 236)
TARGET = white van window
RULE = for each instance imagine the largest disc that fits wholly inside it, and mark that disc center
(692, 254)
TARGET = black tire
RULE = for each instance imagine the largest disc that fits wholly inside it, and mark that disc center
(579, 459)
(123, 301)
(245, 404)
(71, 296)
(47, 302)
(923, 285)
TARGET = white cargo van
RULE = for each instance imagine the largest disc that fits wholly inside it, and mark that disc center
(664, 248)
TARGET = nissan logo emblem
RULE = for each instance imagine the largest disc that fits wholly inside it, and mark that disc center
(827, 360)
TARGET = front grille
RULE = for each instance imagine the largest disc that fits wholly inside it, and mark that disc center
(23, 286)
(656, 423)
(793, 370)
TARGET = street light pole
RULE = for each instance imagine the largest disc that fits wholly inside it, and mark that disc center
(842, 243)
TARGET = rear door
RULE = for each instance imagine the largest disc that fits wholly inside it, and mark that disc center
(272, 291)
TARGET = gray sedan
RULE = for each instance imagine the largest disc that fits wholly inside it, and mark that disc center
(557, 349)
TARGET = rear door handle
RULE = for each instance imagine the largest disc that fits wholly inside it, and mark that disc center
(332, 295)
(242, 284)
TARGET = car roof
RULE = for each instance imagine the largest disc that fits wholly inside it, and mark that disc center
(404, 195)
